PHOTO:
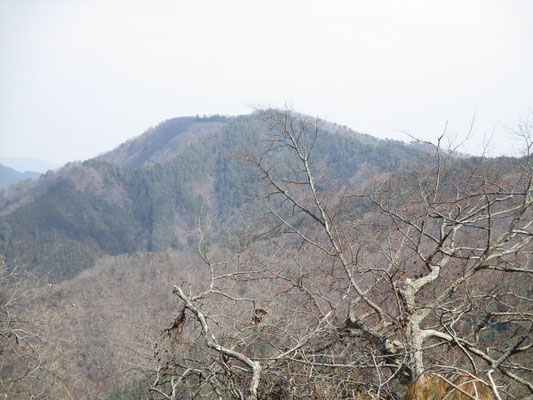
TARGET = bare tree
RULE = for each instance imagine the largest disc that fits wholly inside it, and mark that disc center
(340, 292)
(34, 355)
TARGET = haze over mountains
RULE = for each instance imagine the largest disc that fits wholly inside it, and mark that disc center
(13, 170)
(147, 194)
(8, 176)
(28, 164)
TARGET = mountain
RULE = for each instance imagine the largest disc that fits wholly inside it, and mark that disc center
(28, 164)
(148, 193)
(164, 142)
(9, 176)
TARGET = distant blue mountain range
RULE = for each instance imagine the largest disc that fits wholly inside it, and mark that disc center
(9, 176)
(28, 164)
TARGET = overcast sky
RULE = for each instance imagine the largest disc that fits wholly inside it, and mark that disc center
(77, 78)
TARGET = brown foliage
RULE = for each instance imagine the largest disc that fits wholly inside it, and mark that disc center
(431, 387)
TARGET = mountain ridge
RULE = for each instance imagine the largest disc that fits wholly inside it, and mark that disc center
(146, 194)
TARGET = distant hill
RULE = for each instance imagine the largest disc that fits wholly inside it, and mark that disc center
(9, 176)
(147, 194)
(28, 164)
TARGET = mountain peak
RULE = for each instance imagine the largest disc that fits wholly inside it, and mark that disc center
(164, 141)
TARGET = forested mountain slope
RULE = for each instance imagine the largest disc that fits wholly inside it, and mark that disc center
(147, 194)
(340, 264)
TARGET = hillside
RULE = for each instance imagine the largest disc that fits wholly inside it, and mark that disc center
(9, 176)
(320, 247)
(147, 194)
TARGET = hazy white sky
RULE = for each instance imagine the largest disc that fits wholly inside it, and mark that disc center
(78, 77)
